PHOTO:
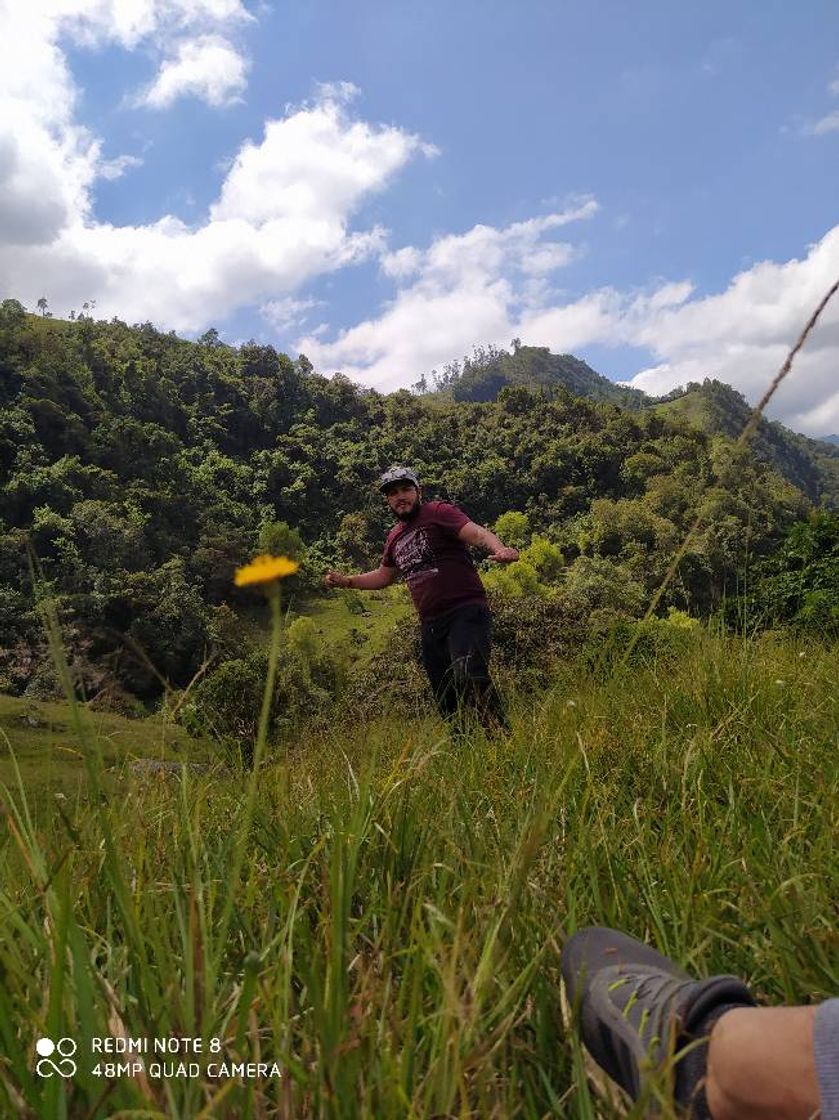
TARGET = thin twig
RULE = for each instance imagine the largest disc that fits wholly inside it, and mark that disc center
(744, 437)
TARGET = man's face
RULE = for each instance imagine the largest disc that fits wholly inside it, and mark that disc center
(403, 498)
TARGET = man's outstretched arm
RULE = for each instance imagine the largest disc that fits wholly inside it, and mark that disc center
(481, 537)
(380, 577)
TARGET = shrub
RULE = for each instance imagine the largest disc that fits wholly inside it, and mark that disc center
(545, 557)
(651, 643)
(302, 637)
(226, 705)
(531, 633)
(595, 584)
(516, 579)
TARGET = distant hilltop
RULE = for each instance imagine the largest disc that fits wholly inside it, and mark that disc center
(810, 464)
(712, 406)
(488, 370)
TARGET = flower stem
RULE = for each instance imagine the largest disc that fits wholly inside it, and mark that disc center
(268, 694)
(243, 825)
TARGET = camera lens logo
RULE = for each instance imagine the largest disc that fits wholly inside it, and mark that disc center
(64, 1067)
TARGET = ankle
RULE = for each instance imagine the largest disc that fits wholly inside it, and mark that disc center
(761, 1065)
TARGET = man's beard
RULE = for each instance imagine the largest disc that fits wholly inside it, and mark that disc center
(408, 514)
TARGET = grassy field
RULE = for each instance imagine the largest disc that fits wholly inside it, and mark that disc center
(39, 739)
(357, 623)
(385, 924)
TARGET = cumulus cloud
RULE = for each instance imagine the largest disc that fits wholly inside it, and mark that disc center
(115, 168)
(463, 289)
(284, 211)
(828, 123)
(287, 313)
(48, 160)
(208, 67)
(475, 288)
(743, 334)
(315, 165)
(131, 22)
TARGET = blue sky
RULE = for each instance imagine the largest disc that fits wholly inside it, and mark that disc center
(652, 187)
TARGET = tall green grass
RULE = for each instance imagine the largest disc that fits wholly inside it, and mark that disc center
(391, 936)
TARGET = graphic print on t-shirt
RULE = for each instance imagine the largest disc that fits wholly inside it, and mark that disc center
(414, 556)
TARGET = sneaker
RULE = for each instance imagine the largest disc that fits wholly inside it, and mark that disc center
(637, 1011)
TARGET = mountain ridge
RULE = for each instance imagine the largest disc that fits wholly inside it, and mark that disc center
(481, 376)
(718, 409)
(713, 406)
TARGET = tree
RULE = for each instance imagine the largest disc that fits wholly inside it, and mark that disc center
(279, 539)
(12, 314)
(513, 528)
(43, 305)
(210, 339)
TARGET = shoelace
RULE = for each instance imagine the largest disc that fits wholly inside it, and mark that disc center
(659, 990)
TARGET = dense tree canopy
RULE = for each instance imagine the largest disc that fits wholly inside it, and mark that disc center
(140, 469)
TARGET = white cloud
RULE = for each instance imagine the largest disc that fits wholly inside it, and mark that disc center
(742, 336)
(282, 217)
(117, 167)
(314, 165)
(285, 314)
(132, 22)
(208, 67)
(829, 123)
(463, 289)
(48, 160)
(474, 288)
(284, 211)
(403, 263)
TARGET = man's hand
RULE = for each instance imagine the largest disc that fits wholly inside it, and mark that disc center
(504, 555)
(336, 579)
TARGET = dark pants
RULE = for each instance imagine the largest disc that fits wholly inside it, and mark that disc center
(455, 653)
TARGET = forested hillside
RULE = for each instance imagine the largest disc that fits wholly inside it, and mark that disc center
(810, 464)
(716, 408)
(482, 375)
(142, 469)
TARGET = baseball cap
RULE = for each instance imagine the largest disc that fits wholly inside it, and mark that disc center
(397, 474)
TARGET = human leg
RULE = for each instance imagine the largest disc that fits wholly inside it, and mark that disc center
(470, 644)
(643, 1019)
(761, 1063)
(436, 660)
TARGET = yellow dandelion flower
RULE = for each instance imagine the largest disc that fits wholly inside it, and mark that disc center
(265, 569)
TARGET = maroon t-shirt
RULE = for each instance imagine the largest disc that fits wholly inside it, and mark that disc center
(435, 563)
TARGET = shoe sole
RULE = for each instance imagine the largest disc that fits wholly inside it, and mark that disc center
(605, 1089)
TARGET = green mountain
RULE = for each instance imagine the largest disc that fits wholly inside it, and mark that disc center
(488, 370)
(140, 469)
(715, 408)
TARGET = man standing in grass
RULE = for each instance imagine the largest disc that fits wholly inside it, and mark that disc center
(429, 547)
